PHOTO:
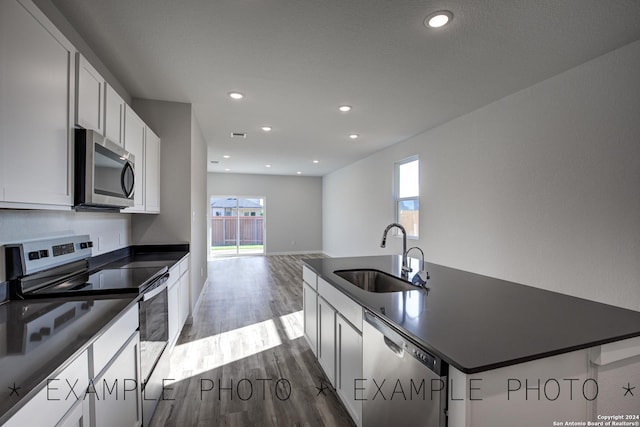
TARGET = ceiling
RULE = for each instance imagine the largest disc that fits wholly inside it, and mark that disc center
(297, 61)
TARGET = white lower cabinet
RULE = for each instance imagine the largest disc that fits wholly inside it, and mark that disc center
(117, 399)
(78, 416)
(333, 322)
(51, 405)
(349, 367)
(184, 302)
(179, 299)
(173, 296)
(327, 339)
(310, 310)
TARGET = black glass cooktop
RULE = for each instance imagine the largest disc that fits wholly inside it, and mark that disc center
(108, 281)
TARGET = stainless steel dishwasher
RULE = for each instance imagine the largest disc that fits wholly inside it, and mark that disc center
(403, 385)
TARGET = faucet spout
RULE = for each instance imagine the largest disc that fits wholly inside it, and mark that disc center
(405, 266)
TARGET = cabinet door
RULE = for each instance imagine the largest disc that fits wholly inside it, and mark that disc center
(134, 143)
(174, 312)
(184, 300)
(78, 416)
(114, 108)
(89, 96)
(349, 367)
(152, 172)
(327, 339)
(310, 310)
(37, 89)
(118, 389)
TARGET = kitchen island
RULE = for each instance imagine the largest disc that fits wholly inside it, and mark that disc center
(517, 355)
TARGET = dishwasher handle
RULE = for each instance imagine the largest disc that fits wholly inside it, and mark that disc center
(395, 348)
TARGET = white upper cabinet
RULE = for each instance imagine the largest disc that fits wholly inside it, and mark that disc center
(152, 172)
(134, 143)
(37, 89)
(114, 110)
(89, 96)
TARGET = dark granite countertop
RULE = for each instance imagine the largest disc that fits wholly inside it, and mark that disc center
(141, 256)
(28, 362)
(477, 323)
(28, 358)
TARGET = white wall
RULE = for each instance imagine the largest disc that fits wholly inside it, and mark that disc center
(109, 231)
(171, 121)
(293, 207)
(541, 187)
(183, 171)
(198, 211)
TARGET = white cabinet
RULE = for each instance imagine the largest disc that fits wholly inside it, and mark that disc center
(327, 339)
(152, 172)
(117, 401)
(173, 296)
(37, 90)
(134, 143)
(89, 96)
(144, 144)
(348, 366)
(184, 301)
(310, 310)
(51, 404)
(333, 329)
(179, 303)
(114, 111)
(78, 416)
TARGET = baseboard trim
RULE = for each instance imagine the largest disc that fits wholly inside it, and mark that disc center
(295, 252)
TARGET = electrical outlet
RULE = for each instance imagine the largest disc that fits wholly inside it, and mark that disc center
(100, 243)
(293, 243)
(201, 272)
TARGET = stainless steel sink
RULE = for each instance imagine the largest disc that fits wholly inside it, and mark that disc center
(375, 281)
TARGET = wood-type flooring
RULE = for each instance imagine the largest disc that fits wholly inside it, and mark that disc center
(244, 361)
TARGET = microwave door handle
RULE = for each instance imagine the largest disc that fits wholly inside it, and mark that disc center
(127, 192)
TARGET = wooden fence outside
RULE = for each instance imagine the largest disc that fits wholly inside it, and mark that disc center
(224, 230)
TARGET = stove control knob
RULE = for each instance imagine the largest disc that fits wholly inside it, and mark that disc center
(35, 337)
(34, 255)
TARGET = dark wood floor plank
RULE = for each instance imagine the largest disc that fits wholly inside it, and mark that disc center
(240, 337)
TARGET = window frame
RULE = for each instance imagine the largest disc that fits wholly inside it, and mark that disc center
(396, 192)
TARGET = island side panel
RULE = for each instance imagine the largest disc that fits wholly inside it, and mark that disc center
(532, 394)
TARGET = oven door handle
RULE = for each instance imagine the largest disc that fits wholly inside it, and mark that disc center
(156, 290)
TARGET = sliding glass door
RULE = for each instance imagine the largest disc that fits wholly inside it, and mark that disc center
(237, 225)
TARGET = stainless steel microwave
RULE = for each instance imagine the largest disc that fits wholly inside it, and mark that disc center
(104, 173)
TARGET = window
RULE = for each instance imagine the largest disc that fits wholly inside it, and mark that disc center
(407, 194)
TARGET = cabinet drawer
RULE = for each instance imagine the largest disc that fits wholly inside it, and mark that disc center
(309, 276)
(349, 309)
(56, 398)
(113, 339)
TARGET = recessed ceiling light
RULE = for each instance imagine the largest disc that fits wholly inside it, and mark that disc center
(353, 136)
(226, 156)
(267, 166)
(227, 170)
(316, 161)
(299, 173)
(235, 95)
(438, 19)
(344, 108)
(266, 128)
